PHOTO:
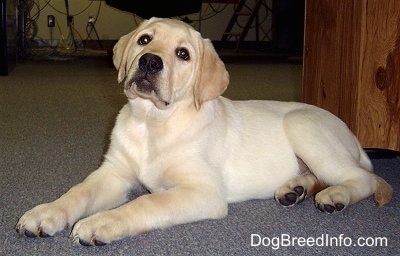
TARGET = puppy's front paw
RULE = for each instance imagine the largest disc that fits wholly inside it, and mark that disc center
(100, 229)
(42, 221)
(332, 199)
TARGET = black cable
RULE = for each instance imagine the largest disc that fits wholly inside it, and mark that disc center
(210, 16)
(268, 10)
(75, 14)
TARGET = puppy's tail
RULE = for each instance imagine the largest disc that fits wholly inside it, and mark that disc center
(383, 192)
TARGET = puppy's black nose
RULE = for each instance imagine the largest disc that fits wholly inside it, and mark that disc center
(150, 63)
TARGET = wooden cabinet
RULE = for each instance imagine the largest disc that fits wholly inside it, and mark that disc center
(352, 66)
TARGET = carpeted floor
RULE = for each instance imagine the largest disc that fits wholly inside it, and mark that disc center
(55, 118)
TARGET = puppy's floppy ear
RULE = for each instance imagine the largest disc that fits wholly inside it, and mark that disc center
(120, 55)
(212, 77)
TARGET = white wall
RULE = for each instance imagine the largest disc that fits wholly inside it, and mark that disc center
(113, 23)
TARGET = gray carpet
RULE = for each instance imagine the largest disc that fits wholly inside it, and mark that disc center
(54, 123)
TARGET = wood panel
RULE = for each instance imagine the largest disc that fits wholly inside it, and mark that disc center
(330, 61)
(352, 65)
(379, 114)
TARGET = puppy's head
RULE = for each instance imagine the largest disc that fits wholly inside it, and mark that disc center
(166, 61)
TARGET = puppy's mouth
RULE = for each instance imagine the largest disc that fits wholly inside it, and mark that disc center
(145, 86)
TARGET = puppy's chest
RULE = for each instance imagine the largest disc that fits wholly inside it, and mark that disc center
(152, 169)
(153, 150)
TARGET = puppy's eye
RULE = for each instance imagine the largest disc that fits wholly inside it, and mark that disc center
(144, 39)
(183, 53)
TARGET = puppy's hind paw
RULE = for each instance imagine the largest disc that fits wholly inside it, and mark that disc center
(296, 190)
(332, 199)
(295, 196)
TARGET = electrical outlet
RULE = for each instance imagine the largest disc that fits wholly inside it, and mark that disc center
(51, 21)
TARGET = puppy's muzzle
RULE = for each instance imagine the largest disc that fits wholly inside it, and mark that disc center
(150, 66)
(146, 82)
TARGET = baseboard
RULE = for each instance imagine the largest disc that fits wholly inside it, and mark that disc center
(381, 153)
(228, 50)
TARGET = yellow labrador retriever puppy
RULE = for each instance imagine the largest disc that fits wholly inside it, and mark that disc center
(196, 151)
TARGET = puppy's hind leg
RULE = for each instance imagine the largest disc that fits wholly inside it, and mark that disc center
(346, 192)
(335, 157)
(383, 192)
(352, 190)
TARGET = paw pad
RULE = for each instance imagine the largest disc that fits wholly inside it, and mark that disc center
(296, 196)
(330, 208)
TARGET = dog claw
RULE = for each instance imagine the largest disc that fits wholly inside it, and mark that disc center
(18, 228)
(93, 242)
(43, 234)
(99, 243)
(84, 243)
(29, 234)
